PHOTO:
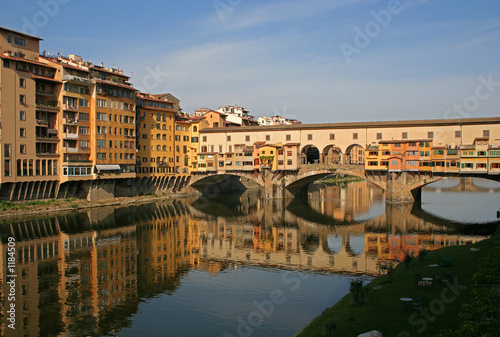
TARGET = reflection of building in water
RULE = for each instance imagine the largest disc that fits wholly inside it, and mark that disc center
(70, 282)
(344, 202)
(168, 246)
(387, 246)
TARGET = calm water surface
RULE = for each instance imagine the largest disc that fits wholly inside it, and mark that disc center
(233, 266)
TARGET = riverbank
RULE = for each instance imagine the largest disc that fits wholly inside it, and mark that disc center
(39, 208)
(385, 312)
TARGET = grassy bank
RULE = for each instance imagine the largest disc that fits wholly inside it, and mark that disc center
(341, 179)
(385, 312)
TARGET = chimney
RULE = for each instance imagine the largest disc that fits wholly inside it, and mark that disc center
(102, 64)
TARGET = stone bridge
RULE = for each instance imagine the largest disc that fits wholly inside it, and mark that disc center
(399, 186)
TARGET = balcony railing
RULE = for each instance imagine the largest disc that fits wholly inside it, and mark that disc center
(71, 135)
(70, 121)
(70, 107)
(47, 107)
(45, 93)
(71, 149)
(42, 122)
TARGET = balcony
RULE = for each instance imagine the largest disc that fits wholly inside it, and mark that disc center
(71, 149)
(70, 107)
(68, 135)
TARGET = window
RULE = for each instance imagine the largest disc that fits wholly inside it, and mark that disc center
(19, 41)
(6, 63)
(379, 135)
(22, 115)
(430, 134)
(332, 136)
(228, 138)
(9, 38)
(101, 116)
(486, 133)
(22, 132)
(458, 134)
(405, 135)
(310, 136)
(22, 148)
(355, 135)
(101, 103)
(6, 168)
(247, 138)
(216, 124)
(268, 138)
(289, 162)
(22, 82)
(22, 99)
(288, 138)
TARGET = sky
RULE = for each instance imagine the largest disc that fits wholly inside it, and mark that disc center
(318, 61)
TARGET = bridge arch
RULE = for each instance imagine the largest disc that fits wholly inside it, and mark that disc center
(331, 154)
(354, 155)
(212, 184)
(309, 155)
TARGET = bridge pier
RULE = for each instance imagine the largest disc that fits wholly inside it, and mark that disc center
(407, 186)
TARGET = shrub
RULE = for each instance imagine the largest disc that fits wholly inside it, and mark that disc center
(358, 291)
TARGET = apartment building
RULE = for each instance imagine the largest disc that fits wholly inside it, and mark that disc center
(155, 135)
(29, 111)
(182, 147)
(114, 122)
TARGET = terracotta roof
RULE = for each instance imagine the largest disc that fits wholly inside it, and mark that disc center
(65, 65)
(45, 78)
(366, 125)
(293, 144)
(481, 138)
(104, 70)
(26, 60)
(399, 141)
(20, 33)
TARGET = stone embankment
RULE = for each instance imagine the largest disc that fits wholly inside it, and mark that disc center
(30, 209)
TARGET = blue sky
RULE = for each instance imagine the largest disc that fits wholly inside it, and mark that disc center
(316, 60)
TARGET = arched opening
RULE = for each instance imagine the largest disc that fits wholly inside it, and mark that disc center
(331, 155)
(354, 155)
(309, 155)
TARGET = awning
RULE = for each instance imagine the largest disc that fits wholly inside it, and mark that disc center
(111, 167)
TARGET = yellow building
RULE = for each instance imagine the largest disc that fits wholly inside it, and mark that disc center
(113, 118)
(474, 158)
(155, 136)
(182, 146)
(74, 127)
(29, 112)
(195, 125)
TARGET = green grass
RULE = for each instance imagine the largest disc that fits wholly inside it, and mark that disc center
(385, 312)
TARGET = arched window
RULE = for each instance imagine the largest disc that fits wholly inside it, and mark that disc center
(164, 117)
(158, 147)
(164, 126)
(164, 137)
(164, 147)
(158, 116)
(195, 128)
(158, 136)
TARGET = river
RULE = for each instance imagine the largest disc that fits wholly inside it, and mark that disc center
(235, 265)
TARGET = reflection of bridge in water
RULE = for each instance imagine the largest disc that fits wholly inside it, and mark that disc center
(100, 263)
(466, 184)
